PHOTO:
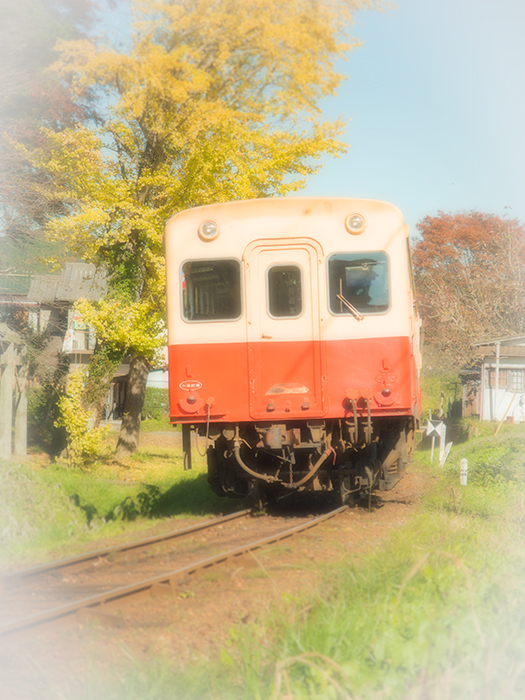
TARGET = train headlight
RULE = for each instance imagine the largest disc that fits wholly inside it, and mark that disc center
(355, 224)
(208, 230)
(386, 397)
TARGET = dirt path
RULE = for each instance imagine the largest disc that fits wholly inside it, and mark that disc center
(197, 621)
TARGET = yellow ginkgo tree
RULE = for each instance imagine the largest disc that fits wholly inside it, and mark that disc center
(211, 100)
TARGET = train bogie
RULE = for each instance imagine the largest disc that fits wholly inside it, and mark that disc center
(293, 343)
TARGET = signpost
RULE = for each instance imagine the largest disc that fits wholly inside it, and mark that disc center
(437, 428)
(13, 395)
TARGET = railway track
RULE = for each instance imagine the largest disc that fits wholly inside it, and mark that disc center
(97, 584)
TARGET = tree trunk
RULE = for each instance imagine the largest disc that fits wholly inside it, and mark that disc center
(128, 440)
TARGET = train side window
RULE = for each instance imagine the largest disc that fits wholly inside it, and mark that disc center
(360, 279)
(211, 290)
(285, 296)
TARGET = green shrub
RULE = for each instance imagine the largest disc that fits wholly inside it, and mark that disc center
(43, 412)
(82, 438)
(34, 514)
(439, 389)
(156, 403)
(495, 473)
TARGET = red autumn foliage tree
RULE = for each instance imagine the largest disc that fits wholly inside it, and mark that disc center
(470, 269)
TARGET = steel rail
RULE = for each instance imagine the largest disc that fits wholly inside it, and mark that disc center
(169, 579)
(136, 544)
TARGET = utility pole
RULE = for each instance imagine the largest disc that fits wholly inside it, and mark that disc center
(13, 394)
(6, 399)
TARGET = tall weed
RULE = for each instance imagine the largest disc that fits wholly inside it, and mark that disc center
(33, 514)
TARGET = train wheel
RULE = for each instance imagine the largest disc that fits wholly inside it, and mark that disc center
(258, 496)
(272, 497)
(214, 478)
(343, 491)
(410, 444)
(263, 495)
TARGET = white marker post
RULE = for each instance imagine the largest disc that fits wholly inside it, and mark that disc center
(436, 428)
(463, 474)
(445, 454)
(442, 443)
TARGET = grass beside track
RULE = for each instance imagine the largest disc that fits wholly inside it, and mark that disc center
(49, 511)
(438, 611)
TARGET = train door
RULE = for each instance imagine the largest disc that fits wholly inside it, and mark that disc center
(284, 348)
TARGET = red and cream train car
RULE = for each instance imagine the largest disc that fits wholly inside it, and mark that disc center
(294, 343)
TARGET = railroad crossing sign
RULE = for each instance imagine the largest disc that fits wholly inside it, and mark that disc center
(436, 428)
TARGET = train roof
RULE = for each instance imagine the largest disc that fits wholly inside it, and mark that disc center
(293, 206)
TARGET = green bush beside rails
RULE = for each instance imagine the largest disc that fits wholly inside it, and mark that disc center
(156, 404)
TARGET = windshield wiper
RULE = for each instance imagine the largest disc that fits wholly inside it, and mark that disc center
(350, 307)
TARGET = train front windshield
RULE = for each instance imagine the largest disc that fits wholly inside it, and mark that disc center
(211, 290)
(360, 279)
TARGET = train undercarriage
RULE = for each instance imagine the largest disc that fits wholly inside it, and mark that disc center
(352, 458)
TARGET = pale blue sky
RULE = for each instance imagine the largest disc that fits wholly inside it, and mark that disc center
(436, 100)
(435, 104)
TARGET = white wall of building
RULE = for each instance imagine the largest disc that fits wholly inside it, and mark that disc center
(507, 401)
